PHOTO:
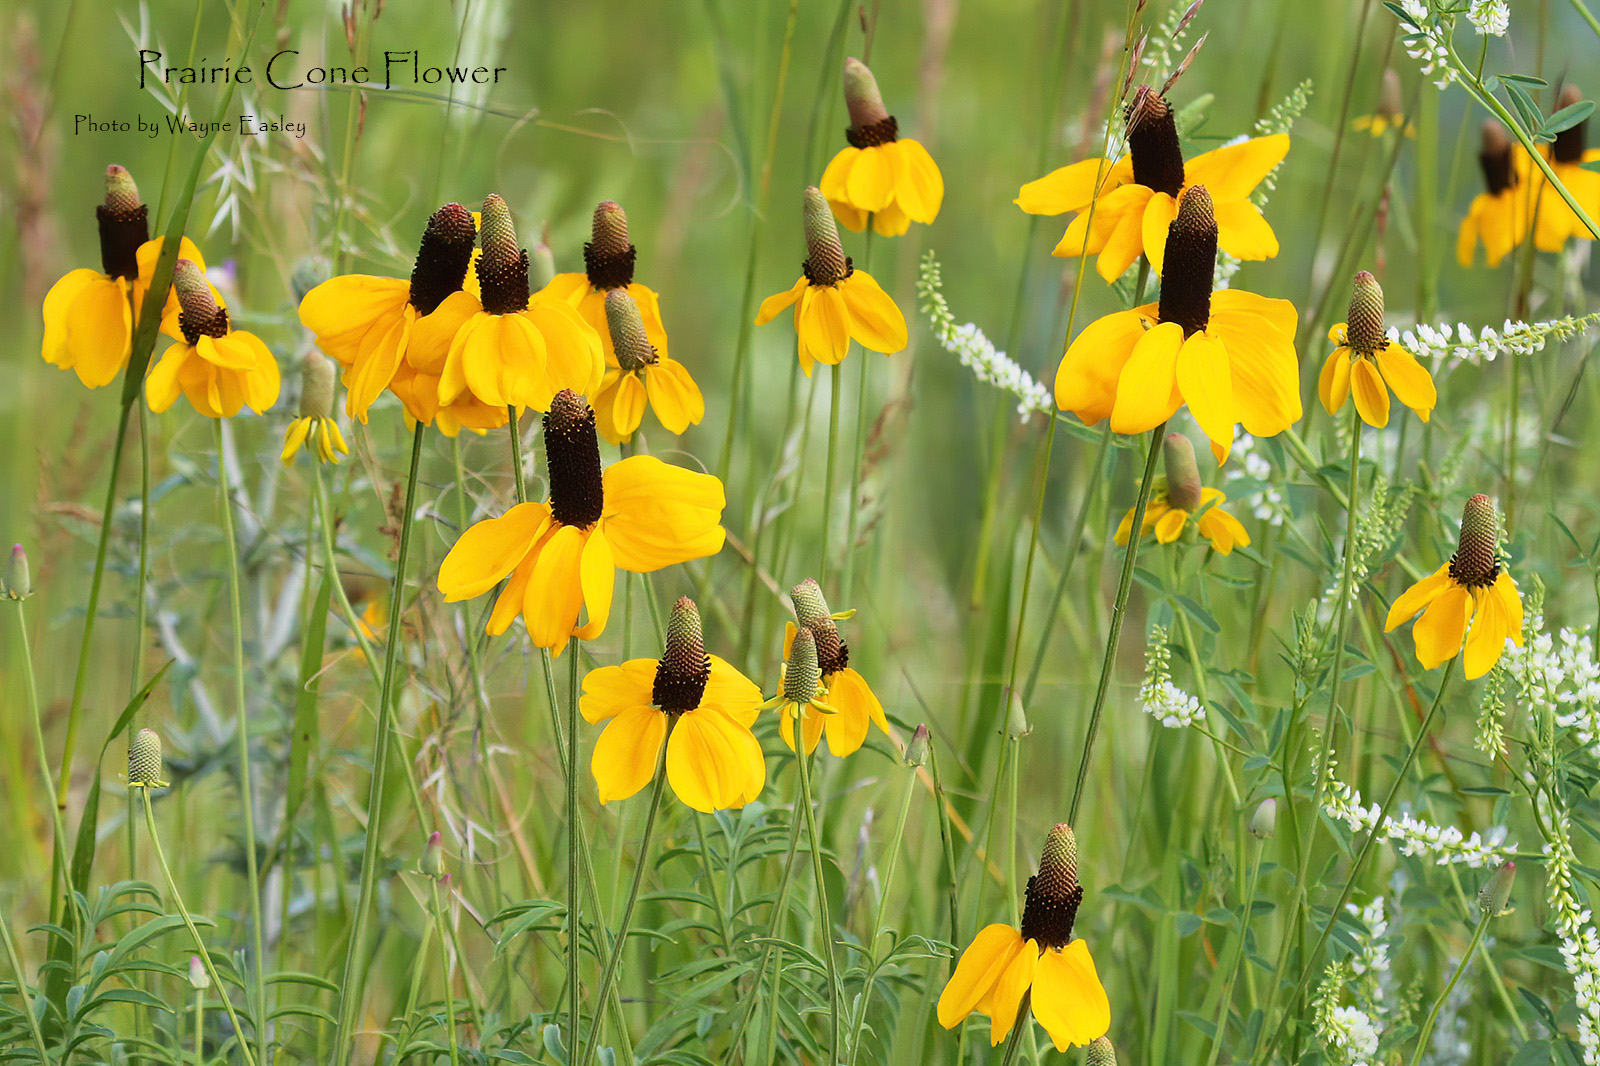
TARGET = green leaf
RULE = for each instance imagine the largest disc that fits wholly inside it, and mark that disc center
(1526, 79)
(303, 733)
(1527, 110)
(1566, 118)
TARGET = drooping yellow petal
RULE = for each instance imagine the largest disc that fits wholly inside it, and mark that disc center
(509, 604)
(1071, 188)
(674, 396)
(1086, 380)
(1205, 378)
(1125, 242)
(1333, 384)
(851, 218)
(822, 321)
(1233, 171)
(1068, 998)
(777, 302)
(1443, 626)
(57, 305)
(920, 192)
(626, 753)
(1243, 232)
(1417, 597)
(1169, 524)
(1511, 601)
(1147, 389)
(875, 319)
(161, 387)
(100, 332)
(555, 589)
(1159, 211)
(713, 761)
(490, 550)
(1410, 380)
(1223, 530)
(1280, 313)
(598, 576)
(730, 692)
(1125, 527)
(609, 690)
(1005, 998)
(871, 180)
(812, 726)
(977, 972)
(1372, 398)
(294, 437)
(835, 183)
(1487, 637)
(657, 514)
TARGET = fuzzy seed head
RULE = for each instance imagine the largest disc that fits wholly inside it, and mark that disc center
(497, 233)
(802, 678)
(442, 257)
(1053, 894)
(144, 759)
(1153, 142)
(1190, 265)
(609, 256)
(628, 335)
(861, 95)
(572, 458)
(811, 613)
(199, 316)
(122, 195)
(19, 581)
(1101, 1053)
(1476, 563)
(684, 667)
(1183, 472)
(609, 231)
(1495, 896)
(1364, 321)
(317, 387)
(825, 260)
(503, 266)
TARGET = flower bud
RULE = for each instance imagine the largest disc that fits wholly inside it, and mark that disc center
(1265, 820)
(316, 387)
(825, 260)
(861, 95)
(917, 750)
(19, 582)
(432, 861)
(1017, 725)
(1364, 320)
(1183, 473)
(1100, 1053)
(1495, 894)
(144, 760)
(199, 979)
(628, 336)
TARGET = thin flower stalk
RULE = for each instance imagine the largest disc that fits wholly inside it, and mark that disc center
(444, 971)
(1438, 1004)
(824, 911)
(58, 862)
(34, 1032)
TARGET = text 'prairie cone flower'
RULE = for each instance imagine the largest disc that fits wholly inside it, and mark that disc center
(1567, 156)
(220, 369)
(1139, 194)
(834, 302)
(1042, 960)
(1182, 499)
(384, 334)
(641, 375)
(1369, 364)
(882, 174)
(1498, 217)
(562, 555)
(316, 422)
(697, 704)
(1229, 355)
(608, 262)
(89, 315)
(511, 347)
(1470, 598)
(854, 706)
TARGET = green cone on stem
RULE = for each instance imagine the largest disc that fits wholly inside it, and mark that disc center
(1364, 321)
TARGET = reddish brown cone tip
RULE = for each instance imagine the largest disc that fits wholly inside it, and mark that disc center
(1153, 142)
(572, 458)
(1495, 159)
(198, 315)
(442, 257)
(608, 258)
(870, 122)
(811, 612)
(1053, 894)
(1476, 563)
(1364, 320)
(1190, 264)
(1569, 143)
(684, 667)
(124, 225)
(826, 263)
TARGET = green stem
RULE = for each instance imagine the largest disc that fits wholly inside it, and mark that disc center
(1588, 16)
(140, 609)
(824, 912)
(22, 991)
(1014, 1040)
(242, 727)
(444, 964)
(853, 504)
(1438, 1004)
(574, 860)
(779, 912)
(58, 862)
(514, 429)
(711, 892)
(1220, 1036)
(331, 561)
(614, 963)
(194, 934)
(354, 968)
(836, 390)
(1118, 610)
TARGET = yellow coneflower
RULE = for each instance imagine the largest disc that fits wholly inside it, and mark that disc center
(1567, 154)
(1498, 217)
(1390, 114)
(891, 178)
(1228, 355)
(219, 368)
(316, 421)
(513, 348)
(1139, 194)
(853, 706)
(697, 704)
(562, 555)
(641, 375)
(1182, 499)
(1369, 364)
(90, 315)
(372, 325)
(801, 692)
(1471, 598)
(1042, 961)
(834, 302)
(608, 262)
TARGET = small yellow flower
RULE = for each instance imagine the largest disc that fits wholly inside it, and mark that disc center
(90, 315)
(1499, 217)
(561, 556)
(220, 369)
(1173, 505)
(834, 303)
(642, 375)
(697, 704)
(852, 706)
(1471, 598)
(1390, 114)
(801, 692)
(608, 260)
(316, 421)
(891, 178)
(1567, 155)
(1041, 960)
(1228, 355)
(1369, 364)
(1138, 195)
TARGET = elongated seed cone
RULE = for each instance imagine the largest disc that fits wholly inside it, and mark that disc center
(684, 667)
(825, 260)
(122, 195)
(1153, 142)
(628, 336)
(861, 95)
(1101, 1053)
(1495, 896)
(1053, 894)
(1476, 563)
(144, 759)
(572, 459)
(199, 315)
(442, 257)
(124, 224)
(1364, 320)
(1183, 472)
(802, 679)
(609, 256)
(811, 612)
(317, 386)
(1190, 265)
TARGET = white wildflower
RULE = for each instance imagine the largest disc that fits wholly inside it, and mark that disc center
(1490, 18)
(1456, 344)
(1580, 945)
(1447, 844)
(1158, 696)
(1425, 42)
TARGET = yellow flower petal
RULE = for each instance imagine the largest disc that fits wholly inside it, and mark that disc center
(1333, 384)
(1169, 525)
(835, 181)
(1086, 380)
(979, 968)
(1159, 211)
(57, 306)
(1280, 313)
(555, 589)
(1443, 626)
(1223, 530)
(1125, 242)
(920, 192)
(598, 575)
(1068, 998)
(822, 321)
(812, 727)
(626, 753)
(674, 396)
(1372, 398)
(713, 763)
(1511, 601)
(1147, 389)
(1417, 597)
(294, 437)
(490, 550)
(100, 332)
(161, 387)
(730, 692)
(657, 515)
(1005, 998)
(1233, 171)
(871, 180)
(1243, 232)
(609, 690)
(1205, 377)
(1487, 637)
(775, 303)
(1410, 380)
(875, 319)
(509, 604)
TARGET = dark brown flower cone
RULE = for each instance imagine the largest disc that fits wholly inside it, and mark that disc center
(572, 457)
(1153, 142)
(124, 225)
(144, 758)
(442, 257)
(1364, 321)
(1476, 563)
(1190, 263)
(802, 678)
(684, 667)
(826, 263)
(628, 336)
(198, 315)
(1183, 473)
(608, 258)
(1570, 142)
(811, 612)
(503, 266)
(1495, 159)
(1053, 894)
(870, 122)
